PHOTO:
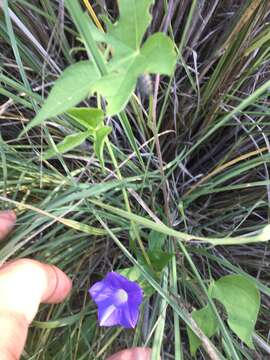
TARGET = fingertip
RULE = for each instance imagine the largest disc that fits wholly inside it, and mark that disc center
(10, 214)
(7, 222)
(138, 353)
(59, 285)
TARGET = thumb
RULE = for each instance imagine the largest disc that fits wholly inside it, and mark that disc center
(24, 284)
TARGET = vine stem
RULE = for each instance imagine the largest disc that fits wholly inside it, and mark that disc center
(153, 107)
(125, 195)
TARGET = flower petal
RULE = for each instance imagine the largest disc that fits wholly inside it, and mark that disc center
(108, 316)
(100, 292)
(115, 280)
(132, 287)
(135, 298)
(118, 281)
(129, 316)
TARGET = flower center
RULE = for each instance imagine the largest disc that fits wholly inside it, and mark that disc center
(120, 297)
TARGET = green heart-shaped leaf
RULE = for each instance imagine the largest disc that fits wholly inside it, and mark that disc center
(207, 322)
(241, 300)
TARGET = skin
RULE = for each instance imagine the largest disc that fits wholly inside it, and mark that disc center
(24, 284)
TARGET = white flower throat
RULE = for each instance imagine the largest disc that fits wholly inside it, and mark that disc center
(120, 297)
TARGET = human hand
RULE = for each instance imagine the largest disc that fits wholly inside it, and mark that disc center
(24, 284)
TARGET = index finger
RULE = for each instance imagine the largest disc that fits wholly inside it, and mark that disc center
(7, 222)
(137, 353)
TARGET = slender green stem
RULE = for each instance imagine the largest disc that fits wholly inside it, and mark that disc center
(125, 195)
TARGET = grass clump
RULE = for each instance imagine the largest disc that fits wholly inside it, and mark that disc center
(189, 162)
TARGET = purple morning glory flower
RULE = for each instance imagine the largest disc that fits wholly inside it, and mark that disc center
(118, 300)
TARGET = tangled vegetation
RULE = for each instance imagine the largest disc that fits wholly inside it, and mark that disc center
(160, 172)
